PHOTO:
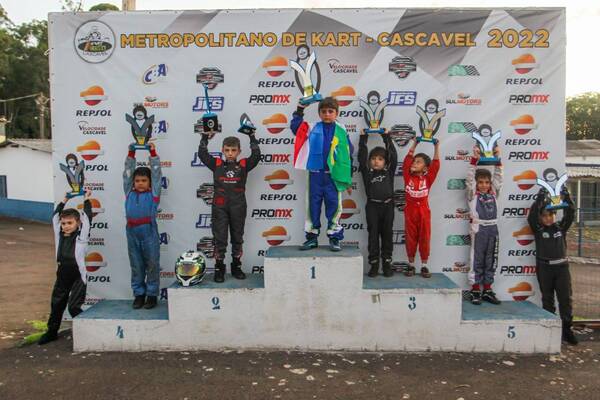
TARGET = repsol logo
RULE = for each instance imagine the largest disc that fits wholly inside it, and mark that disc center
(514, 212)
(529, 155)
(96, 168)
(521, 253)
(523, 142)
(272, 213)
(518, 269)
(524, 81)
(260, 99)
(529, 99)
(276, 141)
(93, 113)
(275, 158)
(98, 278)
(278, 197)
(99, 225)
(258, 269)
(350, 113)
(352, 226)
(522, 197)
(276, 84)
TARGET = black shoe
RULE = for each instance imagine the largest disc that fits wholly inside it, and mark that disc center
(220, 272)
(311, 243)
(568, 335)
(374, 269)
(138, 302)
(236, 269)
(425, 272)
(387, 269)
(489, 296)
(150, 302)
(49, 336)
(475, 297)
(334, 244)
(410, 270)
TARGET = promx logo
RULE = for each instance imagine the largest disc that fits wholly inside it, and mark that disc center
(269, 99)
(535, 99)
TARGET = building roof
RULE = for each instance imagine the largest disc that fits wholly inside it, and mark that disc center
(577, 171)
(44, 145)
(583, 148)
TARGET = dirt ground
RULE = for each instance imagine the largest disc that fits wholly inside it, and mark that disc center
(54, 371)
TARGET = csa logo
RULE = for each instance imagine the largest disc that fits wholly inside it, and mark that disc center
(93, 95)
(276, 66)
(349, 209)
(344, 95)
(279, 179)
(402, 66)
(524, 236)
(526, 179)
(94, 42)
(275, 123)
(154, 74)
(523, 124)
(276, 235)
(94, 261)
(524, 63)
(521, 291)
(96, 207)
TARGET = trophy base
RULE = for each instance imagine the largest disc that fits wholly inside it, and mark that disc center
(555, 207)
(426, 140)
(141, 146)
(75, 194)
(247, 129)
(488, 161)
(379, 131)
(315, 98)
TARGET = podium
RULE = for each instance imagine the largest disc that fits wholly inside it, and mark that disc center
(318, 300)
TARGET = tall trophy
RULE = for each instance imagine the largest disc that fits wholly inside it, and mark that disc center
(141, 127)
(487, 142)
(210, 121)
(430, 119)
(74, 172)
(246, 125)
(554, 193)
(310, 89)
(373, 108)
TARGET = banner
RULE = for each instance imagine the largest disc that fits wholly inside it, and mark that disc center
(489, 70)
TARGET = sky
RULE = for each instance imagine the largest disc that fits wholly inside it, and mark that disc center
(583, 20)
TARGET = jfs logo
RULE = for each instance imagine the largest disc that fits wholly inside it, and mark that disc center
(196, 159)
(402, 98)
(154, 74)
(216, 103)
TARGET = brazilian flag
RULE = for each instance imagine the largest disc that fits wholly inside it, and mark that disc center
(338, 160)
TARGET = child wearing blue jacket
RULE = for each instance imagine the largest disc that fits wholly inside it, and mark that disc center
(142, 190)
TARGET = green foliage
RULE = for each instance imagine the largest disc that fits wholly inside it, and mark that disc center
(104, 7)
(583, 116)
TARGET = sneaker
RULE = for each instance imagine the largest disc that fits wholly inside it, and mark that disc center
(219, 272)
(374, 269)
(410, 270)
(138, 302)
(425, 272)
(236, 269)
(150, 302)
(569, 337)
(312, 243)
(48, 337)
(475, 297)
(489, 296)
(388, 272)
(334, 244)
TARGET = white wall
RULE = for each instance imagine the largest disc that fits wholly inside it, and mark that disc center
(28, 173)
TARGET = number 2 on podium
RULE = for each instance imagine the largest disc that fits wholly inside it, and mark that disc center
(313, 274)
(216, 303)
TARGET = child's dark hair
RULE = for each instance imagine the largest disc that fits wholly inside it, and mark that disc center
(143, 171)
(549, 211)
(482, 173)
(71, 156)
(70, 213)
(378, 152)
(426, 159)
(232, 141)
(329, 102)
(139, 108)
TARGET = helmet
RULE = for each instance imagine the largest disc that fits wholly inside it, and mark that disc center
(190, 268)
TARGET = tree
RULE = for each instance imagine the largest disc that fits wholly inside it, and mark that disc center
(583, 116)
(104, 7)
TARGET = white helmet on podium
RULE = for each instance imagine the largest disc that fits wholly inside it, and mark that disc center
(190, 268)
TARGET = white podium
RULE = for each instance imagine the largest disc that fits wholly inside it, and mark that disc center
(318, 300)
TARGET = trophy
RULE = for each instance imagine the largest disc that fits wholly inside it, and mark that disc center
(373, 116)
(246, 126)
(554, 193)
(141, 127)
(74, 172)
(210, 121)
(310, 93)
(430, 120)
(487, 147)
